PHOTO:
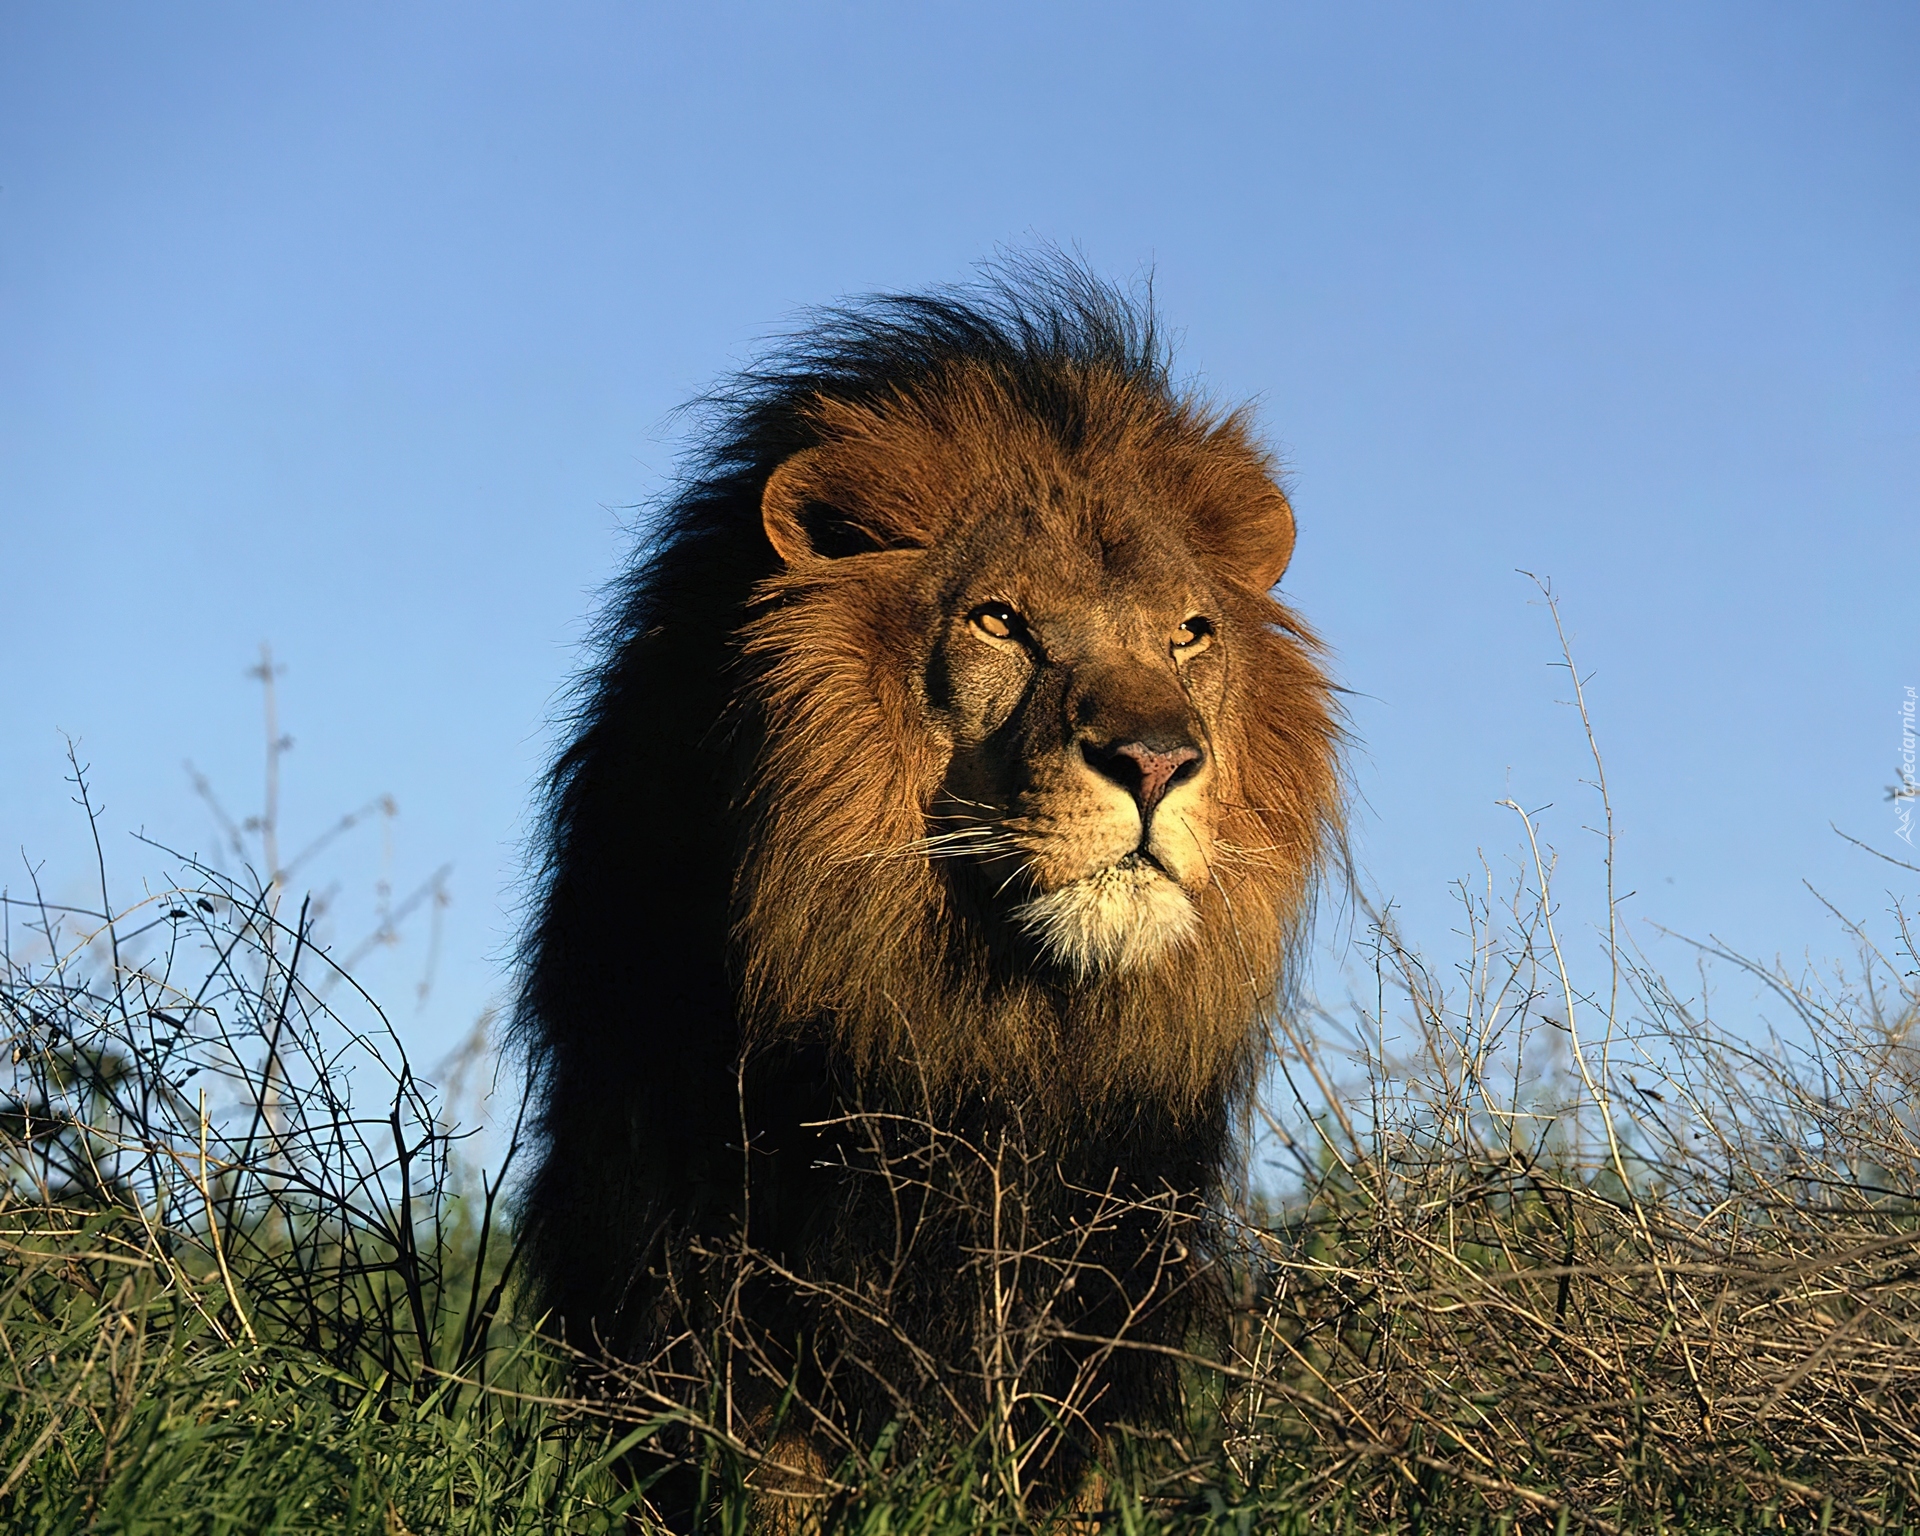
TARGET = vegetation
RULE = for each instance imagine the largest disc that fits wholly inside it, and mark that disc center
(1554, 1251)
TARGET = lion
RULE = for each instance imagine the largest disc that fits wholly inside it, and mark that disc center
(950, 777)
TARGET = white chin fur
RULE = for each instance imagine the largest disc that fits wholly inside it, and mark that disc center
(1116, 920)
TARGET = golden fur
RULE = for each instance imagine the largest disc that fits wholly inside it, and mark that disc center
(871, 800)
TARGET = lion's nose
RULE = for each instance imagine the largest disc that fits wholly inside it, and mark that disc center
(1143, 771)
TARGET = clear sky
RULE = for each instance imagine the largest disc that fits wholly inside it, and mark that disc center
(357, 328)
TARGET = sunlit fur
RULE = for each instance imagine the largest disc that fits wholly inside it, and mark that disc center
(819, 843)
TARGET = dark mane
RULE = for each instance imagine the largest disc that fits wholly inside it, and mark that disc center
(1035, 326)
(699, 839)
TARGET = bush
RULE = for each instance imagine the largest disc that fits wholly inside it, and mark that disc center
(233, 1298)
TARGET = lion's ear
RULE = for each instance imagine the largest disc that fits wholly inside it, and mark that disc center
(1270, 549)
(1252, 537)
(814, 510)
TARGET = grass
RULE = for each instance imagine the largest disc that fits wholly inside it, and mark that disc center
(1555, 1251)
(232, 1299)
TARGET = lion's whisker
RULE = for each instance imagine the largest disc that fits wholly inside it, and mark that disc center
(975, 841)
(1233, 853)
(986, 855)
(978, 805)
(1001, 890)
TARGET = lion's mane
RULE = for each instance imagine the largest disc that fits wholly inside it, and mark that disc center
(728, 949)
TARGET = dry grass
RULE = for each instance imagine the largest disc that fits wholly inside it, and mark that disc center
(1672, 1263)
(1621, 1277)
(1570, 1243)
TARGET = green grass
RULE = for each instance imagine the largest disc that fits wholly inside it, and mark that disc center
(1629, 1276)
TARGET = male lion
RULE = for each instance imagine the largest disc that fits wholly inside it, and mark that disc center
(916, 882)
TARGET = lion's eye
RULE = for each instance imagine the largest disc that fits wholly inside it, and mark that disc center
(1193, 635)
(997, 620)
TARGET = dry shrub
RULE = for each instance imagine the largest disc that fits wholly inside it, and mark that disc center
(995, 1394)
(1692, 1276)
(241, 1286)
(1610, 1276)
(182, 1082)
(1576, 1244)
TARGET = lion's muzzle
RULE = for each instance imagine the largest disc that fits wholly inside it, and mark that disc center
(1145, 770)
(1130, 907)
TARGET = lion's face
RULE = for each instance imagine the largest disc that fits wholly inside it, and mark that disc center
(1064, 626)
(1077, 674)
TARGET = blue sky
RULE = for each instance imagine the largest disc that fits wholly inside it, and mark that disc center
(357, 329)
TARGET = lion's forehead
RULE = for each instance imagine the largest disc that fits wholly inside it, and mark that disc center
(1098, 564)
